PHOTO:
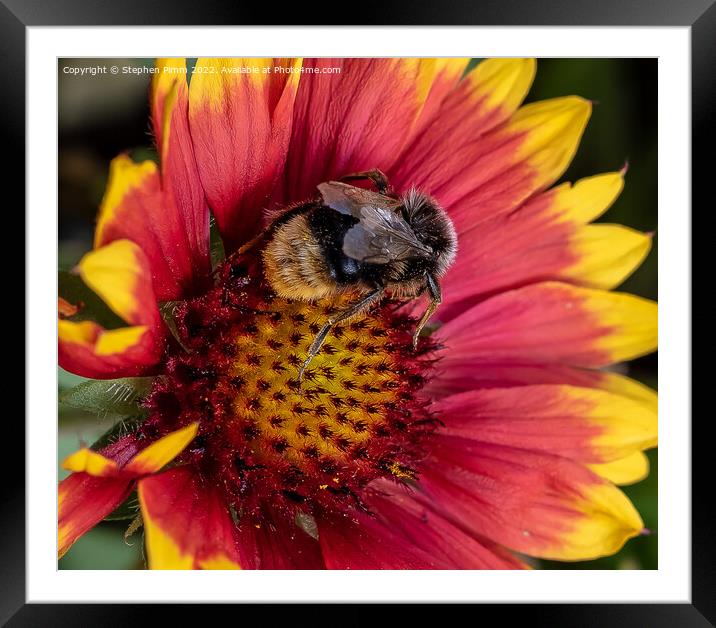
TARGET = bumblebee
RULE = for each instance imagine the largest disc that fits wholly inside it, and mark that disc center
(352, 239)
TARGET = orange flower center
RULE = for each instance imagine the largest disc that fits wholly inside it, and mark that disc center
(339, 407)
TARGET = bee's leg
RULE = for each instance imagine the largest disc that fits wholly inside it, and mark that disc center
(436, 299)
(376, 176)
(245, 248)
(320, 338)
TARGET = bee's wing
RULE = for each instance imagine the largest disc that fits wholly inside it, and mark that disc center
(348, 199)
(382, 236)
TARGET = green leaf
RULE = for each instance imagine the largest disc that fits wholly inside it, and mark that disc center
(472, 64)
(104, 547)
(91, 307)
(216, 244)
(144, 153)
(66, 380)
(112, 397)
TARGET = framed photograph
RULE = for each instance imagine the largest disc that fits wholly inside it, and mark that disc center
(360, 313)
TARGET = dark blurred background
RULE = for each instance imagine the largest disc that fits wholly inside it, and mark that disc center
(103, 115)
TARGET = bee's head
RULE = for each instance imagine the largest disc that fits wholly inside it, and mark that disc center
(433, 227)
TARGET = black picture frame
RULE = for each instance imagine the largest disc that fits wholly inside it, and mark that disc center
(699, 15)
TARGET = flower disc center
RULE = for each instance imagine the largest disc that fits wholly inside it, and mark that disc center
(354, 417)
(343, 402)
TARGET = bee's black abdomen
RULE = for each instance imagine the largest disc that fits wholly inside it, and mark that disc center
(330, 227)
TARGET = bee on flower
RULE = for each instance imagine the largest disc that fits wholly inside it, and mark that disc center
(402, 360)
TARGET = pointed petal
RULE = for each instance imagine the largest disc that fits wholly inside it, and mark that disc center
(162, 451)
(545, 239)
(241, 127)
(353, 120)
(102, 480)
(634, 468)
(88, 350)
(605, 255)
(119, 274)
(465, 374)
(148, 208)
(586, 200)
(525, 155)
(582, 424)
(131, 188)
(83, 501)
(91, 462)
(187, 208)
(476, 174)
(170, 71)
(554, 323)
(501, 84)
(122, 460)
(186, 523)
(132, 201)
(533, 503)
(552, 131)
(486, 97)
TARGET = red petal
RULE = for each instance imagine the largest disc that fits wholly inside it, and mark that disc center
(241, 126)
(553, 323)
(124, 458)
(545, 239)
(187, 525)
(119, 274)
(355, 120)
(185, 205)
(507, 251)
(127, 352)
(277, 544)
(531, 502)
(359, 541)
(482, 100)
(83, 502)
(466, 374)
(476, 176)
(441, 77)
(137, 207)
(582, 424)
(434, 534)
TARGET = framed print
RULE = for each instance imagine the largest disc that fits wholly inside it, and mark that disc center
(376, 304)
